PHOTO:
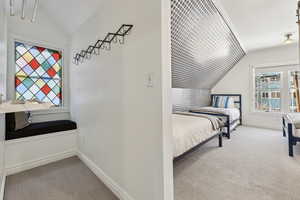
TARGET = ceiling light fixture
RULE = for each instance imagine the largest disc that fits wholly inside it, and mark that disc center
(23, 9)
(11, 7)
(288, 39)
(36, 3)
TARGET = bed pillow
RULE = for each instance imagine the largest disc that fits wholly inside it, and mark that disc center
(231, 103)
(22, 120)
(223, 102)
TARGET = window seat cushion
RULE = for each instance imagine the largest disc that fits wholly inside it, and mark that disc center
(41, 129)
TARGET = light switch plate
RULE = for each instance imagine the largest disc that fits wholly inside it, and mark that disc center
(150, 80)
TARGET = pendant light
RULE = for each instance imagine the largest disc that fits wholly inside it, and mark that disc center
(36, 3)
(11, 7)
(23, 9)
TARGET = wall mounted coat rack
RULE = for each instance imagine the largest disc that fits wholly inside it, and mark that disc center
(105, 44)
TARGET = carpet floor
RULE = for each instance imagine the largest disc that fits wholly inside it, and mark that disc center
(253, 165)
(68, 179)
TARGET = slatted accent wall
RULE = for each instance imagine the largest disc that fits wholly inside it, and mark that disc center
(204, 48)
(184, 99)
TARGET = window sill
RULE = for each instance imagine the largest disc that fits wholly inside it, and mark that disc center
(51, 111)
(275, 114)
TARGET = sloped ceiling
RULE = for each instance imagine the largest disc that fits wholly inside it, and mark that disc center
(204, 48)
(68, 15)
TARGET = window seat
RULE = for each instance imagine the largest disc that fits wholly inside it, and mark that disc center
(35, 129)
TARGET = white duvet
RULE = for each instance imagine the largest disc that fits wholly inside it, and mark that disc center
(233, 113)
(189, 131)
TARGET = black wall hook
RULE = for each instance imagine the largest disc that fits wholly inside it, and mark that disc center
(119, 36)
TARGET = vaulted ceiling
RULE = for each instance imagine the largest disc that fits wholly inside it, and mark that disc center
(70, 14)
(204, 48)
(262, 23)
(67, 14)
(259, 23)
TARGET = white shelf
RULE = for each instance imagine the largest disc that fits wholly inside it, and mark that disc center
(8, 107)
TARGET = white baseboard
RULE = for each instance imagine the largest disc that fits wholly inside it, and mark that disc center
(2, 187)
(42, 150)
(39, 162)
(27, 153)
(111, 184)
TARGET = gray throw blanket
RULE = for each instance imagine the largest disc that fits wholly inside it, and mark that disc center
(217, 122)
(207, 111)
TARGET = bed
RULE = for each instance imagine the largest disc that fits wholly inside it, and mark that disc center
(232, 113)
(192, 130)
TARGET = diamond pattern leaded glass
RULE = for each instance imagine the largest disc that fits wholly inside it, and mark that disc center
(38, 73)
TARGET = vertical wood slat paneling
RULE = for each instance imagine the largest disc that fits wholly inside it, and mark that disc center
(204, 48)
(184, 99)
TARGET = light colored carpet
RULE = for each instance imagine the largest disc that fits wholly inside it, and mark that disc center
(68, 179)
(253, 165)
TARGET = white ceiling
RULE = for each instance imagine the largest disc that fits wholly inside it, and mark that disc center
(68, 14)
(262, 23)
(259, 23)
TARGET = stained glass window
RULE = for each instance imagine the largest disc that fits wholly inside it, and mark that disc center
(38, 73)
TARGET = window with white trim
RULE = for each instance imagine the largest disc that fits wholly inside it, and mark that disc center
(267, 91)
(276, 88)
(294, 78)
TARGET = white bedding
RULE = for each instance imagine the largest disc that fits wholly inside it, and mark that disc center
(233, 113)
(295, 119)
(189, 131)
(296, 133)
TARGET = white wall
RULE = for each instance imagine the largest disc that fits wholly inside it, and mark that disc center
(46, 33)
(167, 140)
(120, 120)
(238, 80)
(3, 49)
(3, 63)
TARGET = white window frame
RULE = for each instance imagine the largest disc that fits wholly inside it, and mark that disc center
(64, 107)
(285, 69)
